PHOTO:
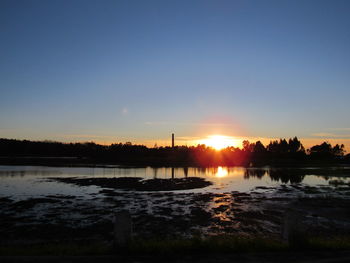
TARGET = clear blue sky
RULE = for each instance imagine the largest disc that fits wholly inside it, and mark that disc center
(139, 70)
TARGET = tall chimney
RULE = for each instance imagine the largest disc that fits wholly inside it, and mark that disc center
(172, 140)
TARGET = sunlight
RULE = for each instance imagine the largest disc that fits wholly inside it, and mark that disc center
(219, 142)
(222, 172)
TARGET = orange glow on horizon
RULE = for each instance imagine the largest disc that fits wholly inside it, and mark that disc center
(219, 142)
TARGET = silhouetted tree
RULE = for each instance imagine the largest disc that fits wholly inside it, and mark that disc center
(325, 147)
(259, 147)
(247, 146)
(338, 150)
(277, 152)
(326, 151)
(295, 145)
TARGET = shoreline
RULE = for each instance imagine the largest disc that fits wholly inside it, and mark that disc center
(89, 162)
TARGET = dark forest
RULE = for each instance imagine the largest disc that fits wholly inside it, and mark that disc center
(281, 152)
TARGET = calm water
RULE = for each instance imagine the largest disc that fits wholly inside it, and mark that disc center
(21, 182)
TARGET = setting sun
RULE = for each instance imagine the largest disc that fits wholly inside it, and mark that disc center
(219, 142)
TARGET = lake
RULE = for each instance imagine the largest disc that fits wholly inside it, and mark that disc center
(31, 181)
(47, 202)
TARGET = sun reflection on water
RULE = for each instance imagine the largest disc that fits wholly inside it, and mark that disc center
(221, 172)
(222, 205)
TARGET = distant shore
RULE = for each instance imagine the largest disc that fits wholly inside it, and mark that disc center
(282, 153)
(89, 162)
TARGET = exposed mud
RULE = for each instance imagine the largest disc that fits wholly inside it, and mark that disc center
(324, 210)
(138, 184)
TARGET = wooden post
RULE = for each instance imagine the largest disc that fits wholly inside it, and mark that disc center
(293, 230)
(172, 140)
(122, 229)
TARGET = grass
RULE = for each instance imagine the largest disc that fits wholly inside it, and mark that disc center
(334, 243)
(215, 244)
(56, 249)
(190, 246)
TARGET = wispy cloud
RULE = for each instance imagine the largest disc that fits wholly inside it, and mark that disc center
(188, 138)
(339, 129)
(187, 123)
(330, 135)
(85, 136)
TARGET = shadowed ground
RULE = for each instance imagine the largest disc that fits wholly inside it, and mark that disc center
(307, 257)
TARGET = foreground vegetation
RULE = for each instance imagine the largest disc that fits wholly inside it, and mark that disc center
(190, 246)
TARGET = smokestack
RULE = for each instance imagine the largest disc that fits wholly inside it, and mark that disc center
(172, 140)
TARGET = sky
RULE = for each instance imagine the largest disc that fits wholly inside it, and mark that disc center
(117, 71)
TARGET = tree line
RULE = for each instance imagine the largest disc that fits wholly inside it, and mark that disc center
(277, 152)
